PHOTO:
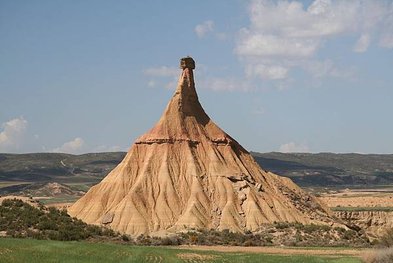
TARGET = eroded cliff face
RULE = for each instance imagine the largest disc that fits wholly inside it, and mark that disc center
(187, 173)
(374, 223)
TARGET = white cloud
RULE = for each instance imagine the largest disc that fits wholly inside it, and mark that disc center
(105, 148)
(225, 84)
(168, 74)
(162, 71)
(151, 83)
(323, 18)
(264, 45)
(362, 43)
(283, 35)
(12, 134)
(293, 147)
(74, 146)
(386, 40)
(167, 77)
(319, 69)
(267, 72)
(204, 28)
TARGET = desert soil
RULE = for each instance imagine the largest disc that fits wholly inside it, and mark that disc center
(359, 198)
(284, 250)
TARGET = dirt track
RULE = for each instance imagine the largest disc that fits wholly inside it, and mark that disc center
(284, 250)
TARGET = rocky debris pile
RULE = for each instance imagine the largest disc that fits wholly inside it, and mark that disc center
(374, 223)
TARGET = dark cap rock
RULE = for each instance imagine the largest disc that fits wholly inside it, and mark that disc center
(187, 62)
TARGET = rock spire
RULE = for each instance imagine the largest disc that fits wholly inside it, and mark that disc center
(188, 173)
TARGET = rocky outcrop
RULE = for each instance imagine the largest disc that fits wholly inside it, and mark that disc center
(188, 173)
(374, 223)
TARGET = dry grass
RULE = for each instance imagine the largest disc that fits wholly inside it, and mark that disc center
(380, 256)
(314, 251)
(196, 257)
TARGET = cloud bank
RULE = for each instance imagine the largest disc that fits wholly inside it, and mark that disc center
(292, 147)
(75, 146)
(12, 134)
(283, 35)
(204, 28)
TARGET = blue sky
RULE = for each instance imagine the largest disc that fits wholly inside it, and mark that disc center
(291, 76)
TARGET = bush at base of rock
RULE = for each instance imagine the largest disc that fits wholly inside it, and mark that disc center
(20, 219)
(387, 239)
(380, 256)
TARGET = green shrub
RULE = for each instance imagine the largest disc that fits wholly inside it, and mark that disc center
(20, 219)
(380, 256)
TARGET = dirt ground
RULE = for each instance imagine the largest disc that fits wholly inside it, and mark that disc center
(359, 198)
(284, 250)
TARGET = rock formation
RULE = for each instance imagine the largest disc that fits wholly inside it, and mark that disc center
(374, 223)
(188, 173)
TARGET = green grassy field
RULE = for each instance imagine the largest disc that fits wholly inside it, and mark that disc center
(61, 199)
(27, 250)
(10, 183)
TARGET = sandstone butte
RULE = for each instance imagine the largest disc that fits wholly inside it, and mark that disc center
(187, 173)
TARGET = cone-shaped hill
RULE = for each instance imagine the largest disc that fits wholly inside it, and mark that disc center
(188, 173)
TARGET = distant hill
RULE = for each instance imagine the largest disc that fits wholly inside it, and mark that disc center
(28, 174)
(306, 169)
(38, 189)
(330, 169)
(59, 167)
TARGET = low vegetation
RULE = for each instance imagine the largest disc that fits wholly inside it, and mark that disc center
(37, 251)
(206, 237)
(363, 209)
(387, 239)
(288, 234)
(296, 234)
(380, 256)
(385, 253)
(20, 219)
